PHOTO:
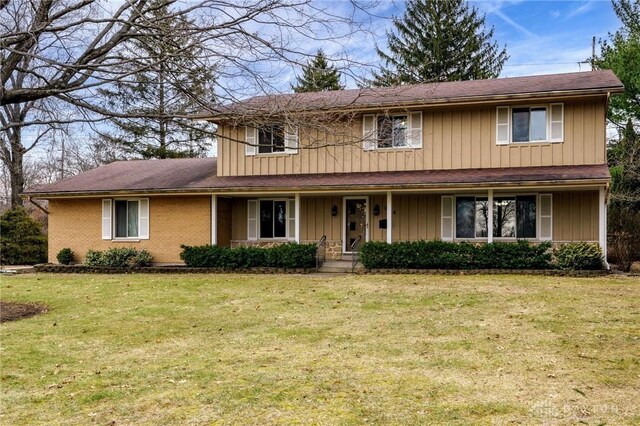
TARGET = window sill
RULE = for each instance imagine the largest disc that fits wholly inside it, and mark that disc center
(273, 154)
(396, 148)
(125, 240)
(540, 143)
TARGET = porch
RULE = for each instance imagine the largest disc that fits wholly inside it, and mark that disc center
(348, 219)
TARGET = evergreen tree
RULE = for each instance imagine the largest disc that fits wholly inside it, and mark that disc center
(622, 55)
(167, 79)
(22, 241)
(318, 76)
(439, 40)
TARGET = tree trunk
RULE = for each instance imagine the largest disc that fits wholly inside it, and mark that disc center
(16, 171)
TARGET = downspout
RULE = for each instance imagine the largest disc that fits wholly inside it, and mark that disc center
(37, 205)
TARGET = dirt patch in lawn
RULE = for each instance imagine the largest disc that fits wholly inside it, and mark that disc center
(13, 311)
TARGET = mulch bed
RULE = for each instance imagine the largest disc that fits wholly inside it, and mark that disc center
(12, 311)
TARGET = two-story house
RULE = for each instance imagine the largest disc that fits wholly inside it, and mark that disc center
(480, 161)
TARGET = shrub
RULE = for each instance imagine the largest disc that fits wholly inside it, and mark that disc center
(288, 256)
(579, 256)
(447, 255)
(118, 257)
(22, 241)
(65, 256)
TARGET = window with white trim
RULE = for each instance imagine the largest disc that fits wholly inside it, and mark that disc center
(384, 131)
(271, 139)
(513, 217)
(392, 131)
(530, 124)
(271, 219)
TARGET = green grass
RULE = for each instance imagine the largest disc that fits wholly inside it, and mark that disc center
(286, 349)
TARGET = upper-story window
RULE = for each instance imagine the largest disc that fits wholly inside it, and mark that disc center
(385, 131)
(529, 124)
(524, 124)
(392, 131)
(270, 139)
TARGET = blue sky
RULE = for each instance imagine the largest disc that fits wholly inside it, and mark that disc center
(542, 37)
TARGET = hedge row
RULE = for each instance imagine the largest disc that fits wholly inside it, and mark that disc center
(497, 255)
(287, 256)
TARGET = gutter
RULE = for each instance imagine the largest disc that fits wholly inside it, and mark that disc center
(557, 183)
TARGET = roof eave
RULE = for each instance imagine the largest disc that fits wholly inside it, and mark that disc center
(320, 188)
(465, 100)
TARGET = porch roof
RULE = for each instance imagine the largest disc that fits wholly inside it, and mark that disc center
(199, 175)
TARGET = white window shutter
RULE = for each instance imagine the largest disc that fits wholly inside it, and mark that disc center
(447, 218)
(252, 214)
(546, 217)
(556, 123)
(143, 219)
(369, 137)
(291, 219)
(251, 139)
(106, 219)
(415, 129)
(291, 139)
(503, 128)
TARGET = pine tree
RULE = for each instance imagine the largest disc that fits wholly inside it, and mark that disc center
(167, 78)
(318, 76)
(439, 40)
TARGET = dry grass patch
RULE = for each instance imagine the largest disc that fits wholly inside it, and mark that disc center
(247, 349)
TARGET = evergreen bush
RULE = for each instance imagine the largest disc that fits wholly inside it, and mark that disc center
(287, 256)
(22, 241)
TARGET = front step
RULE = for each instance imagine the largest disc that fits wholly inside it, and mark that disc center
(338, 267)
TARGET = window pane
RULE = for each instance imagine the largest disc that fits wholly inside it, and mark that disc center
(465, 217)
(526, 216)
(132, 219)
(264, 140)
(538, 124)
(482, 212)
(121, 219)
(504, 217)
(400, 130)
(266, 219)
(280, 219)
(385, 131)
(520, 121)
(278, 138)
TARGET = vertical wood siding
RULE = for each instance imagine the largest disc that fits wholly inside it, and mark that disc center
(452, 139)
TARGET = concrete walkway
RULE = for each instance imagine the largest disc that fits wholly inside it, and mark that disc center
(15, 269)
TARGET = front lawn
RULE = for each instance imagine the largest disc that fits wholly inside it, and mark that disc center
(250, 349)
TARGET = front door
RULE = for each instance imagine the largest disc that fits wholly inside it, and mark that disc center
(355, 223)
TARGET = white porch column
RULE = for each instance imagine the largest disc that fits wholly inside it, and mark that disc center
(214, 220)
(602, 226)
(297, 219)
(490, 216)
(389, 217)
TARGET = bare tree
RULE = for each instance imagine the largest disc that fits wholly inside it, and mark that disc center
(65, 51)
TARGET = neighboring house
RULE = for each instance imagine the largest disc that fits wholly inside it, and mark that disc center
(485, 160)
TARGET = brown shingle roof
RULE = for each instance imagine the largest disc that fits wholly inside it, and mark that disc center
(433, 93)
(199, 175)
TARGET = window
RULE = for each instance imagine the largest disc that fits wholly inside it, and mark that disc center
(471, 217)
(529, 124)
(273, 219)
(392, 131)
(514, 217)
(126, 218)
(271, 139)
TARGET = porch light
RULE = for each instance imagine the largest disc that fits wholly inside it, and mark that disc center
(376, 210)
(334, 210)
